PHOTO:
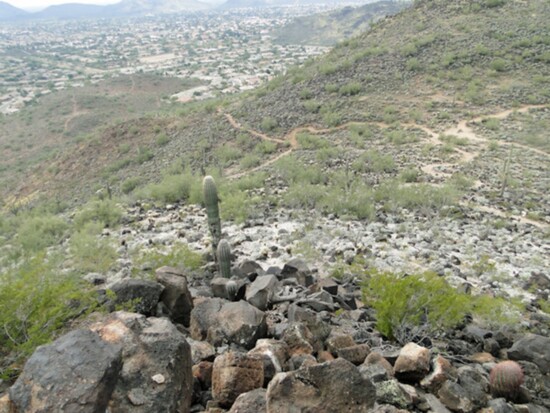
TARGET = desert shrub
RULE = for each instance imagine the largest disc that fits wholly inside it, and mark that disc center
(38, 232)
(144, 155)
(265, 147)
(294, 171)
(309, 141)
(129, 185)
(36, 301)
(250, 161)
(406, 303)
(332, 119)
(374, 161)
(312, 106)
(350, 89)
(227, 153)
(162, 139)
(177, 255)
(304, 196)
(420, 197)
(174, 188)
(89, 251)
(268, 124)
(331, 88)
(106, 212)
(409, 175)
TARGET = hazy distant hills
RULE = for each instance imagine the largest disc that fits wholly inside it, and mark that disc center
(234, 4)
(326, 29)
(123, 8)
(8, 12)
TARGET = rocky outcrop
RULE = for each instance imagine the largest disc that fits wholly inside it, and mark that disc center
(156, 364)
(334, 386)
(77, 372)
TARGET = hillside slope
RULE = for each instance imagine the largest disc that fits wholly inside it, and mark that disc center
(326, 29)
(434, 88)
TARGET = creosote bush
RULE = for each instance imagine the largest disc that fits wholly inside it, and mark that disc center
(36, 302)
(104, 211)
(406, 302)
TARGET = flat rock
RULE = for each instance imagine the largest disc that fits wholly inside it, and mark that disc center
(413, 363)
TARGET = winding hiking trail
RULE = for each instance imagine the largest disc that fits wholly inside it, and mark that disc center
(436, 169)
(75, 113)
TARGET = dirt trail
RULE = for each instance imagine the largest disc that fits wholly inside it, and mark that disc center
(75, 113)
(461, 130)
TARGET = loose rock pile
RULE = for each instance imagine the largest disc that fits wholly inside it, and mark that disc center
(280, 342)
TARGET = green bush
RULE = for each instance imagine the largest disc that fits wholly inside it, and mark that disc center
(350, 89)
(311, 106)
(36, 301)
(420, 197)
(38, 232)
(90, 252)
(332, 119)
(265, 147)
(227, 154)
(250, 161)
(129, 185)
(426, 301)
(268, 124)
(162, 139)
(374, 161)
(309, 141)
(178, 256)
(103, 211)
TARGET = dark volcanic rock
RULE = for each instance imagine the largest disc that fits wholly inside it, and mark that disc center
(145, 293)
(533, 348)
(76, 373)
(156, 374)
(176, 296)
(334, 386)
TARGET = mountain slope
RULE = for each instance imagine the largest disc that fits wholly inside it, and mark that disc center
(329, 28)
(8, 12)
(140, 7)
(426, 96)
(70, 11)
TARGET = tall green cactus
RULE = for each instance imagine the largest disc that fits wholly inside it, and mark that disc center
(224, 258)
(211, 200)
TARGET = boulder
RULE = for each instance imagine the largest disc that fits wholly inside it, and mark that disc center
(274, 354)
(233, 374)
(391, 392)
(144, 294)
(336, 341)
(250, 402)
(355, 354)
(77, 372)
(299, 339)
(175, 296)
(203, 373)
(228, 289)
(6, 405)
(533, 348)
(261, 291)
(297, 268)
(334, 386)
(239, 323)
(201, 351)
(442, 370)
(318, 328)
(469, 394)
(204, 312)
(413, 363)
(156, 374)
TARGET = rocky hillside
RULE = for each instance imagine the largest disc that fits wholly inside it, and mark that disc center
(327, 29)
(387, 213)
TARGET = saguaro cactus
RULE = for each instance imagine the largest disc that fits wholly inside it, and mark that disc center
(506, 379)
(211, 200)
(224, 258)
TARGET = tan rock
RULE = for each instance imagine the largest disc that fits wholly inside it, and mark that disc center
(442, 370)
(413, 363)
(235, 373)
(6, 406)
